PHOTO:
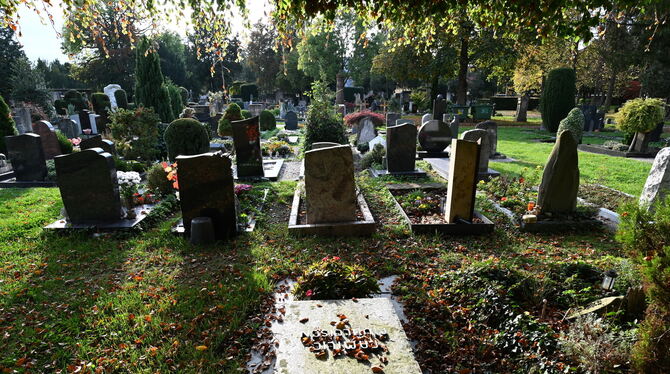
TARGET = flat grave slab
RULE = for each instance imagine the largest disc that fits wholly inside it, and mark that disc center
(441, 166)
(418, 173)
(557, 225)
(141, 212)
(420, 155)
(377, 316)
(610, 152)
(271, 169)
(11, 182)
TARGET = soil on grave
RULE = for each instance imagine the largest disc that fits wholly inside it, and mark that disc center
(433, 214)
(277, 213)
(302, 213)
(602, 196)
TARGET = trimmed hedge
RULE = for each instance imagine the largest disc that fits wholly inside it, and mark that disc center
(558, 97)
(573, 122)
(268, 121)
(101, 103)
(186, 136)
(232, 113)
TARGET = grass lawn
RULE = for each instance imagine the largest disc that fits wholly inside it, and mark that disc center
(150, 302)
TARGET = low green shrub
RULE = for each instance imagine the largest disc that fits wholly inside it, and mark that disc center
(322, 123)
(267, 120)
(245, 114)
(615, 145)
(136, 133)
(157, 180)
(640, 115)
(573, 122)
(186, 136)
(101, 102)
(332, 278)
(232, 113)
(7, 124)
(66, 146)
(374, 158)
(76, 99)
(51, 171)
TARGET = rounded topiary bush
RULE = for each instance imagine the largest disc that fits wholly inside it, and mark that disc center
(573, 122)
(268, 121)
(558, 97)
(640, 115)
(101, 102)
(7, 125)
(232, 113)
(186, 136)
(121, 99)
(76, 99)
(245, 114)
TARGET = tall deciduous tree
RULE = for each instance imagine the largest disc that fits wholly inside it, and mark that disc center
(150, 89)
(322, 55)
(172, 52)
(10, 51)
(262, 56)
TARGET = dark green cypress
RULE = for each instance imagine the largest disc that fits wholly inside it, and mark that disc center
(150, 89)
(7, 125)
(558, 97)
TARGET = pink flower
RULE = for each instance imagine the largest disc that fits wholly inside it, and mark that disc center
(309, 293)
(325, 258)
(336, 258)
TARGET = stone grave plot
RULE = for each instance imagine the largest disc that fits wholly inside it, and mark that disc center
(90, 192)
(248, 155)
(480, 136)
(603, 150)
(28, 164)
(400, 152)
(556, 208)
(206, 189)
(328, 203)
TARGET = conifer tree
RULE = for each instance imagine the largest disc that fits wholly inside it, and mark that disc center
(7, 125)
(150, 89)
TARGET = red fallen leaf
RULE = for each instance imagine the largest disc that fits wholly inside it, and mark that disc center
(304, 320)
(21, 361)
(377, 369)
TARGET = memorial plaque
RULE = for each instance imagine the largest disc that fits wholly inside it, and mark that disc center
(206, 189)
(89, 187)
(372, 322)
(247, 141)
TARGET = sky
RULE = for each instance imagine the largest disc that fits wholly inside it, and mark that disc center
(40, 39)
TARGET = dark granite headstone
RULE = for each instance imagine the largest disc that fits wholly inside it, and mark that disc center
(492, 128)
(206, 190)
(247, 140)
(47, 134)
(434, 136)
(27, 157)
(68, 127)
(88, 186)
(401, 148)
(391, 118)
(85, 120)
(439, 107)
(453, 121)
(98, 142)
(590, 120)
(560, 179)
(290, 121)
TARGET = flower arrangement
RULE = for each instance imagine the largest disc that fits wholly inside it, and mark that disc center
(75, 141)
(128, 181)
(242, 188)
(171, 170)
(354, 118)
(332, 278)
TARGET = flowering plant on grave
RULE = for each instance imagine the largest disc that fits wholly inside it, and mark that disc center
(242, 188)
(332, 278)
(75, 141)
(171, 170)
(128, 182)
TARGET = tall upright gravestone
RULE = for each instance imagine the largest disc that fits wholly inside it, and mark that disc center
(98, 142)
(89, 187)
(247, 140)
(482, 138)
(291, 120)
(391, 118)
(462, 181)
(560, 180)
(366, 131)
(401, 148)
(23, 119)
(434, 136)
(27, 157)
(48, 137)
(439, 107)
(206, 189)
(657, 186)
(492, 128)
(330, 190)
(85, 120)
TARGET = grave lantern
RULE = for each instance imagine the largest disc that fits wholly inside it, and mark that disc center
(608, 280)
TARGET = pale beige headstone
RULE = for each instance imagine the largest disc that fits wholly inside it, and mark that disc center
(330, 189)
(462, 180)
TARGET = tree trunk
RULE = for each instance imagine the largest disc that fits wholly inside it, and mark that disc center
(463, 61)
(522, 108)
(610, 92)
(339, 87)
(434, 82)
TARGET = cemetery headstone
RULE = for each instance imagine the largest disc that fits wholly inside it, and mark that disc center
(95, 122)
(109, 91)
(434, 136)
(342, 110)
(206, 189)
(377, 140)
(392, 118)
(23, 120)
(401, 148)
(247, 141)
(655, 134)
(47, 134)
(291, 120)
(319, 145)
(68, 127)
(330, 190)
(98, 142)
(85, 120)
(480, 137)
(560, 179)
(426, 117)
(657, 186)
(460, 202)
(5, 166)
(27, 157)
(453, 121)
(439, 107)
(256, 109)
(492, 128)
(366, 131)
(202, 113)
(403, 121)
(88, 186)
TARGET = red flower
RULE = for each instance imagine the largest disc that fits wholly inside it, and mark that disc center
(325, 258)
(521, 180)
(309, 293)
(336, 258)
(503, 199)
